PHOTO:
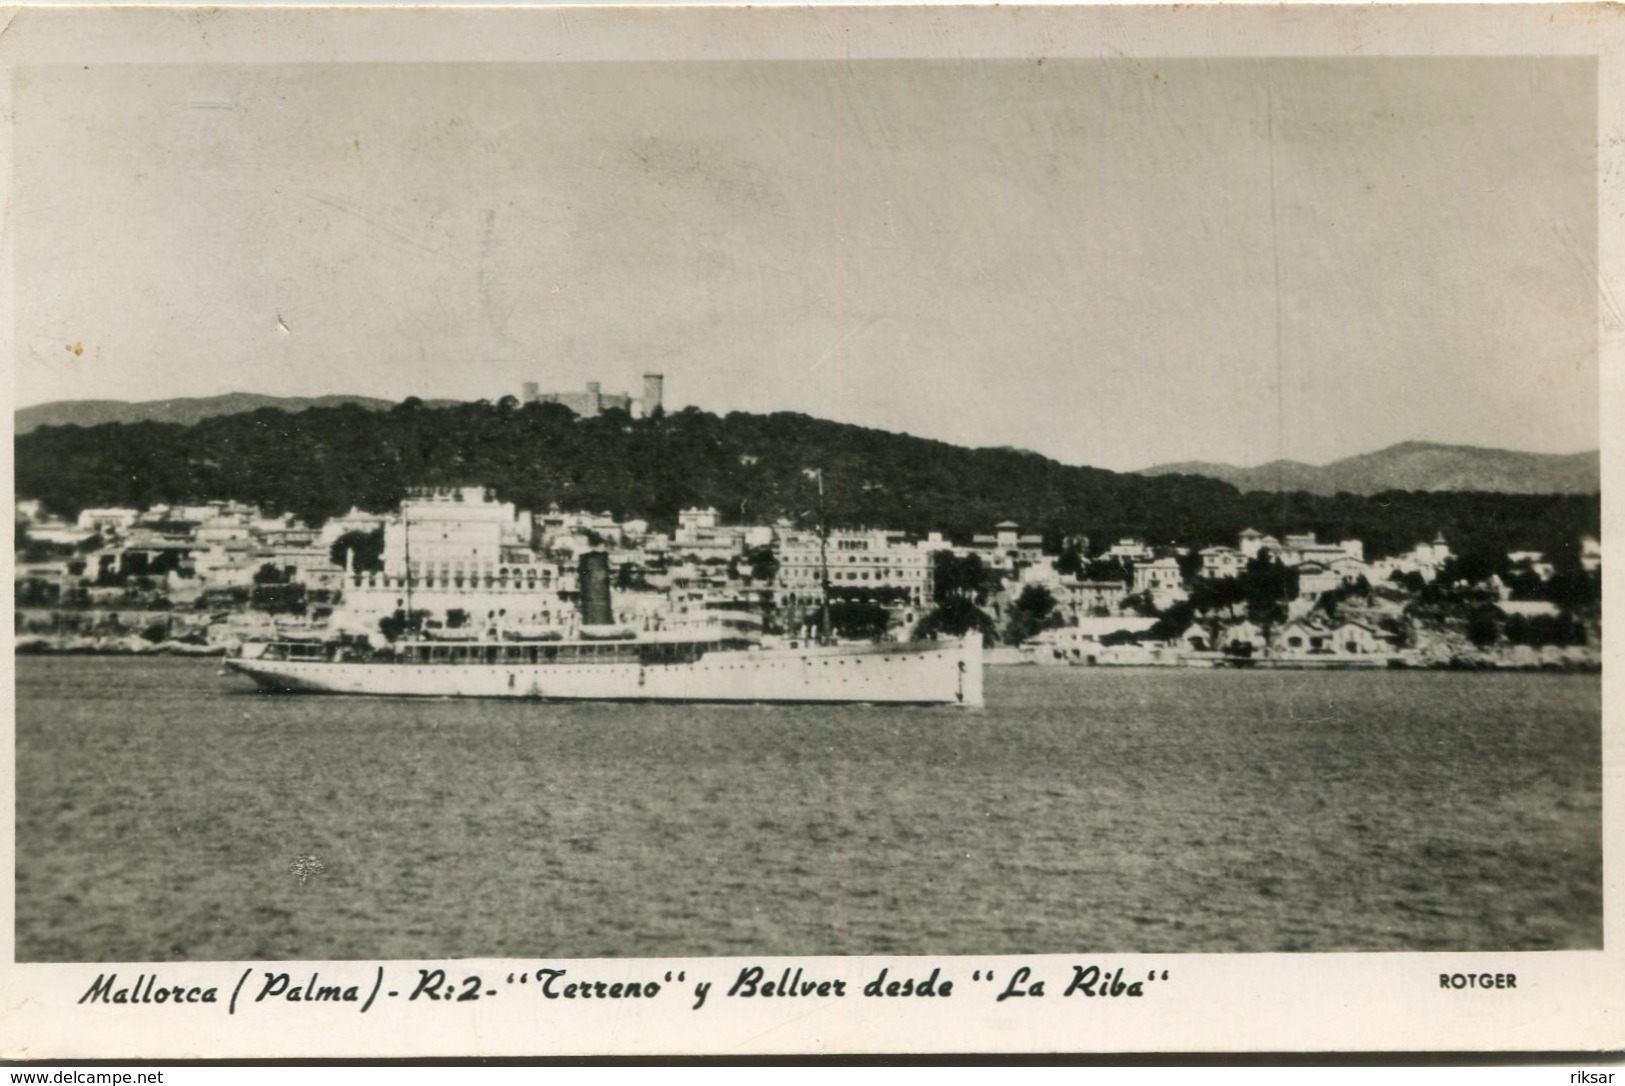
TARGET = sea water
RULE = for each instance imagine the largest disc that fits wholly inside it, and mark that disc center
(166, 812)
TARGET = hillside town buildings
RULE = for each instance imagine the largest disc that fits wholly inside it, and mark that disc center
(470, 565)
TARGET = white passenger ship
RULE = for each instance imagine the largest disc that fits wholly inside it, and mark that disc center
(725, 661)
(641, 669)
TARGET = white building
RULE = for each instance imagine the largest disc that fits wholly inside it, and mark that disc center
(1007, 547)
(451, 533)
(1222, 563)
(1242, 635)
(108, 521)
(1081, 599)
(226, 564)
(1315, 580)
(701, 533)
(1590, 554)
(353, 521)
(457, 549)
(1130, 550)
(1350, 637)
(1301, 637)
(1082, 643)
(1158, 576)
(1295, 550)
(59, 534)
(857, 560)
(1252, 542)
(1424, 559)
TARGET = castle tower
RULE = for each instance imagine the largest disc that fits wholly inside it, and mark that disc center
(594, 399)
(654, 388)
(531, 392)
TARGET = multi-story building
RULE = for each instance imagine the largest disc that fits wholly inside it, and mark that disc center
(857, 560)
(1158, 575)
(701, 534)
(1162, 580)
(1253, 543)
(1424, 559)
(1081, 599)
(457, 549)
(1007, 548)
(452, 532)
(1315, 580)
(1221, 563)
(1295, 550)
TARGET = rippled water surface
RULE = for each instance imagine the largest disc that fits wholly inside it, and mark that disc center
(162, 810)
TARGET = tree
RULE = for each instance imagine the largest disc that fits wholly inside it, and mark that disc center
(858, 620)
(362, 551)
(954, 617)
(394, 626)
(1483, 626)
(1574, 589)
(1473, 567)
(1108, 569)
(1141, 604)
(1267, 586)
(763, 563)
(269, 574)
(1033, 611)
(1410, 580)
(279, 598)
(1071, 562)
(1217, 594)
(958, 577)
(1173, 622)
(884, 595)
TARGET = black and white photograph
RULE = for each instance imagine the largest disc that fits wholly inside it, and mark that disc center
(726, 504)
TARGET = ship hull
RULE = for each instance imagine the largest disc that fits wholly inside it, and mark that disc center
(946, 673)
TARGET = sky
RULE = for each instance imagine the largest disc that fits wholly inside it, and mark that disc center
(1111, 262)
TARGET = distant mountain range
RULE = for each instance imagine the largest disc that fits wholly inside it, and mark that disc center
(1413, 465)
(183, 411)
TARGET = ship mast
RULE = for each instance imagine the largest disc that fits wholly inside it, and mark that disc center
(823, 560)
(406, 534)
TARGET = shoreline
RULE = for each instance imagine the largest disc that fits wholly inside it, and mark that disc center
(1571, 664)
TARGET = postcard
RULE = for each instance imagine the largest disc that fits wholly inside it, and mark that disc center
(734, 530)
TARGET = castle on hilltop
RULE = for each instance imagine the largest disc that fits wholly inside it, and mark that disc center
(594, 401)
